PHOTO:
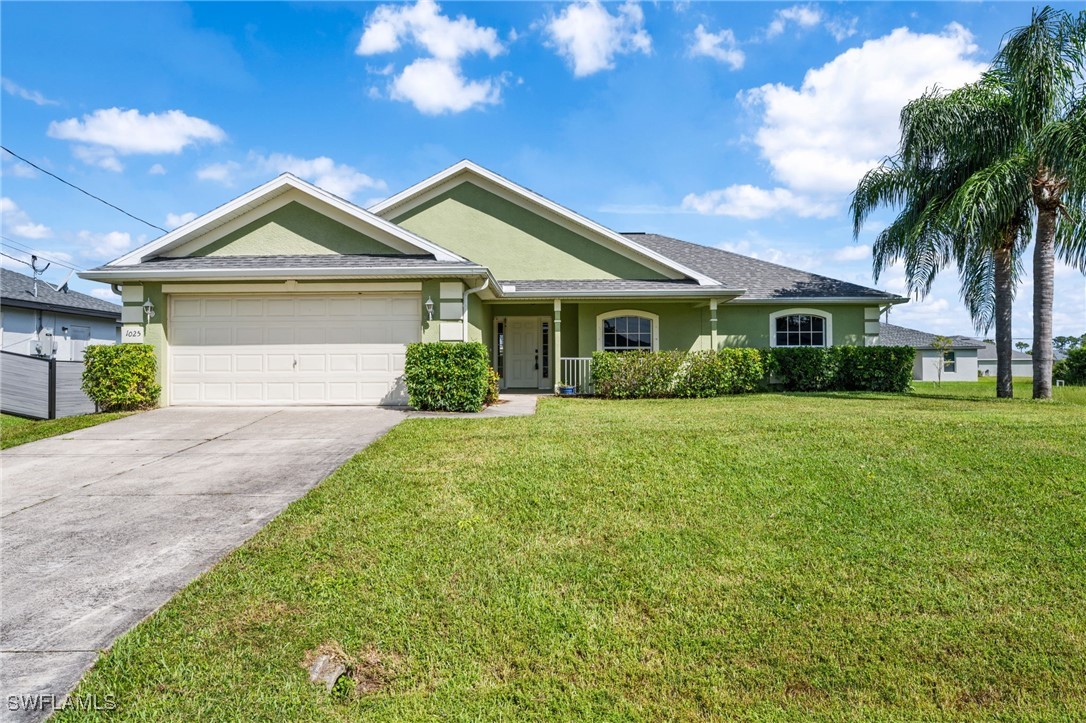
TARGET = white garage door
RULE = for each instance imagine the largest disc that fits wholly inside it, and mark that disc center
(280, 350)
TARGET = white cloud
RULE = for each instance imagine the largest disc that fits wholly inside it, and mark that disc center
(803, 16)
(157, 170)
(842, 28)
(436, 86)
(589, 37)
(109, 132)
(823, 136)
(13, 88)
(111, 244)
(11, 166)
(338, 178)
(98, 156)
(16, 222)
(856, 252)
(720, 46)
(105, 293)
(424, 25)
(435, 83)
(751, 202)
(173, 220)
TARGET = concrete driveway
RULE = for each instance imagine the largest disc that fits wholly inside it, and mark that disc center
(100, 527)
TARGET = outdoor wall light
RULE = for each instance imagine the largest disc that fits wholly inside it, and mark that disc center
(429, 309)
(149, 310)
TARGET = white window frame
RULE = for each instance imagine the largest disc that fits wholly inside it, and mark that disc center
(654, 318)
(827, 316)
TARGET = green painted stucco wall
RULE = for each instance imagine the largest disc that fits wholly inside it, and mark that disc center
(514, 242)
(683, 325)
(154, 333)
(294, 230)
(740, 325)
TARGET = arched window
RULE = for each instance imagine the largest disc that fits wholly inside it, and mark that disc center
(627, 330)
(801, 327)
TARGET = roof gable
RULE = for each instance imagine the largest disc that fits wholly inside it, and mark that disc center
(894, 335)
(400, 207)
(269, 198)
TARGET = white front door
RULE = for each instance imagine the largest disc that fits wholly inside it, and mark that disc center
(283, 349)
(522, 352)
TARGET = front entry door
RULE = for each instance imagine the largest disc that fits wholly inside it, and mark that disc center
(522, 352)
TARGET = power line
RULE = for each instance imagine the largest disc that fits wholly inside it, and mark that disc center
(27, 250)
(14, 259)
(88, 193)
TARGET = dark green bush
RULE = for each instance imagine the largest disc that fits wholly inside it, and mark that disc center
(1073, 368)
(842, 368)
(492, 386)
(447, 377)
(121, 377)
(648, 375)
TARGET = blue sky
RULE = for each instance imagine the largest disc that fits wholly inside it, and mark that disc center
(739, 125)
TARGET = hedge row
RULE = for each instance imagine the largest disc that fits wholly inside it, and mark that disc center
(647, 375)
(121, 377)
(842, 368)
(1072, 370)
(449, 377)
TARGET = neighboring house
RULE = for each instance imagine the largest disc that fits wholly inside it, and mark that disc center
(291, 295)
(51, 323)
(1021, 364)
(959, 362)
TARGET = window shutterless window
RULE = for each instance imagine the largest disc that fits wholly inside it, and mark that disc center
(800, 330)
(950, 361)
(627, 333)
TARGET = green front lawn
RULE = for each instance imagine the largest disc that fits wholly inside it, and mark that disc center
(762, 557)
(19, 430)
(986, 389)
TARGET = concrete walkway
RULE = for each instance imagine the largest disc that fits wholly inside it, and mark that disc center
(100, 527)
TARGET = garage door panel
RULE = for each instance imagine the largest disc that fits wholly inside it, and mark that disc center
(291, 350)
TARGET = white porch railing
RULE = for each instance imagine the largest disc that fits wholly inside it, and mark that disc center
(577, 373)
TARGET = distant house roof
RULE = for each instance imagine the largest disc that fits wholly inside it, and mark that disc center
(987, 352)
(761, 279)
(18, 290)
(893, 335)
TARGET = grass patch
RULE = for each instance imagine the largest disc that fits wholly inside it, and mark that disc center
(765, 557)
(985, 388)
(19, 430)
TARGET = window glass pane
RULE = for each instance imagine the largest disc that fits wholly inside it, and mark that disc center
(800, 330)
(782, 324)
(818, 339)
(625, 333)
(816, 323)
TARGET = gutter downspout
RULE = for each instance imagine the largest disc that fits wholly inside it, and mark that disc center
(464, 310)
(116, 289)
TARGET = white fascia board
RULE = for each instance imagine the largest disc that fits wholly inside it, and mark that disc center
(120, 273)
(822, 300)
(404, 198)
(264, 193)
(696, 292)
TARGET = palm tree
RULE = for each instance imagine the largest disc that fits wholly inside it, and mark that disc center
(1042, 66)
(974, 167)
(941, 180)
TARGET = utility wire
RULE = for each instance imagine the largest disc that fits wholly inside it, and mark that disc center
(26, 249)
(14, 259)
(88, 193)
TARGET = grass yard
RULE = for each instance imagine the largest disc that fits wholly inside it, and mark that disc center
(986, 389)
(767, 557)
(19, 430)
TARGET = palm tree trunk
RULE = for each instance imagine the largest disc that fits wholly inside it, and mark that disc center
(1044, 268)
(1004, 298)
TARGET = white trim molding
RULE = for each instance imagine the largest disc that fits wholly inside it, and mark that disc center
(654, 318)
(827, 316)
(504, 188)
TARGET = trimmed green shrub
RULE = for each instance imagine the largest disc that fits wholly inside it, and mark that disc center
(447, 377)
(802, 368)
(492, 386)
(121, 377)
(1073, 368)
(842, 368)
(656, 375)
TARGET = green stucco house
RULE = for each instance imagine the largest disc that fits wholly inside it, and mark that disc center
(291, 295)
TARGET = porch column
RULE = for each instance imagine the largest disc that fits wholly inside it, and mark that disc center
(712, 324)
(556, 354)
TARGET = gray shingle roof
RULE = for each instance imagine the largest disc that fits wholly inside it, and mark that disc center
(987, 352)
(18, 290)
(318, 261)
(893, 335)
(761, 279)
